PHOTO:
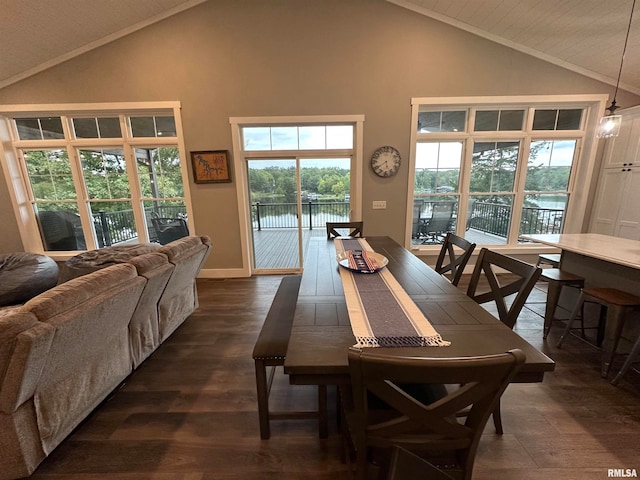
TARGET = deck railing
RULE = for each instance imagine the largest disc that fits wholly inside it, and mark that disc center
(111, 228)
(492, 218)
(285, 215)
(541, 220)
(117, 227)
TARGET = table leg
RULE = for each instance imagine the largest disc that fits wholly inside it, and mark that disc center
(323, 420)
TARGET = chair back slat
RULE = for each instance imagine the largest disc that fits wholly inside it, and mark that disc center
(456, 251)
(520, 280)
(354, 229)
(388, 413)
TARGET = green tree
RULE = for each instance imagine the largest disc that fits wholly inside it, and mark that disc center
(286, 185)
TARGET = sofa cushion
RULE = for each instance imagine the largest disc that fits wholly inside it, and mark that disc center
(89, 354)
(180, 298)
(24, 275)
(12, 323)
(24, 345)
(93, 260)
(144, 336)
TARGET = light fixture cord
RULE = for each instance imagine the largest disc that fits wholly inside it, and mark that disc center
(624, 50)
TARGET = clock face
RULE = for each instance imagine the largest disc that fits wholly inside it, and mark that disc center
(385, 161)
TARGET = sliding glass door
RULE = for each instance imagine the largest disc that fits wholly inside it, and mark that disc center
(291, 202)
(275, 213)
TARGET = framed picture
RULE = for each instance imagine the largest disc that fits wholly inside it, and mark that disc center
(211, 166)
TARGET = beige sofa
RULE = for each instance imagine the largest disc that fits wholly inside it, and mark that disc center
(65, 350)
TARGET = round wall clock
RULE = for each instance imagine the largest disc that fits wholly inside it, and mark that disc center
(385, 161)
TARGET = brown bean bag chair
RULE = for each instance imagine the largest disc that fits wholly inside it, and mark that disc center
(24, 275)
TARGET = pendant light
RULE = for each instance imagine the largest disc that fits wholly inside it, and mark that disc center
(610, 124)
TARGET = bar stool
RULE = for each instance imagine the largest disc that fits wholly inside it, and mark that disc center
(552, 259)
(617, 303)
(557, 279)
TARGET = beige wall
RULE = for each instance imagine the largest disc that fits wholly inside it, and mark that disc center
(332, 57)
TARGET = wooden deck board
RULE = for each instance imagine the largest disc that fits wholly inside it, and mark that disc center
(277, 248)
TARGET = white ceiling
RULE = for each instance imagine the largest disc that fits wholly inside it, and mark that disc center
(586, 36)
(37, 34)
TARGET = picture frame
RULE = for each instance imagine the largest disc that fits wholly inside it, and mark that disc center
(211, 166)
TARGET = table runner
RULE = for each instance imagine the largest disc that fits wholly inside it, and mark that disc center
(381, 313)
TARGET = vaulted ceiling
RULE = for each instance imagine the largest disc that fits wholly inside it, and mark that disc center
(586, 36)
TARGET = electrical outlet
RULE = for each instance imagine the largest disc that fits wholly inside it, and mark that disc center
(379, 204)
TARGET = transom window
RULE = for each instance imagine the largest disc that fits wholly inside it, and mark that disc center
(493, 172)
(100, 178)
(298, 137)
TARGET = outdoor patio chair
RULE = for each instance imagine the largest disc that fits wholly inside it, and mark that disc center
(61, 230)
(418, 221)
(434, 228)
(169, 229)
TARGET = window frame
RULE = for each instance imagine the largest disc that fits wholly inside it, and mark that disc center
(18, 182)
(584, 163)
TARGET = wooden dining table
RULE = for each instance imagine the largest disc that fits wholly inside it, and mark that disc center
(321, 334)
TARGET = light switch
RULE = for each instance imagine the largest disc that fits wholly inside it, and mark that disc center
(379, 204)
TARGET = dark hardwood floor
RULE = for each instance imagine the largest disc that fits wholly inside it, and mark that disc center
(189, 412)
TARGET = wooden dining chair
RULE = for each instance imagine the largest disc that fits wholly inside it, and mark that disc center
(505, 277)
(426, 427)
(350, 229)
(454, 256)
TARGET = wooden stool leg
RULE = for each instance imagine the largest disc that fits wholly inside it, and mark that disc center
(613, 330)
(574, 314)
(602, 322)
(553, 295)
(635, 351)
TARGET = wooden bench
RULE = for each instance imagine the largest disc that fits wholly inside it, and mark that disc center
(270, 351)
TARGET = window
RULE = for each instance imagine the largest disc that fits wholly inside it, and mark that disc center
(98, 178)
(39, 128)
(430, 121)
(506, 169)
(298, 137)
(107, 127)
(498, 120)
